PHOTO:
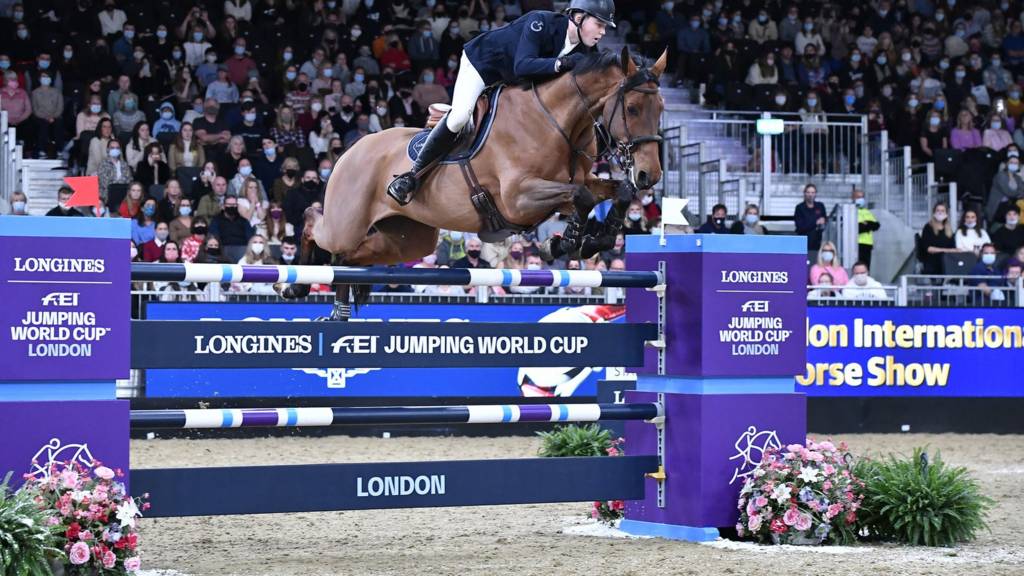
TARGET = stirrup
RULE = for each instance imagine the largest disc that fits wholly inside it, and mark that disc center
(402, 198)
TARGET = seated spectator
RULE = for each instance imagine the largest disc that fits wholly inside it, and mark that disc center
(113, 169)
(211, 130)
(574, 290)
(965, 136)
(223, 90)
(444, 290)
(428, 92)
(47, 112)
(533, 262)
(970, 236)
(229, 226)
(829, 263)
(166, 124)
(90, 115)
(181, 224)
(153, 249)
(285, 131)
(985, 266)
(257, 252)
(936, 240)
(98, 146)
(186, 150)
(298, 199)
(144, 223)
(716, 222)
(127, 114)
(1007, 190)
(652, 212)
(933, 136)
(472, 258)
(862, 286)
(751, 222)
(135, 149)
(289, 250)
(151, 168)
(635, 222)
(286, 180)
(19, 204)
(762, 29)
(763, 71)
(133, 200)
(515, 259)
(1009, 237)
(64, 195)
(212, 203)
(15, 101)
(320, 138)
(167, 207)
(274, 227)
(252, 202)
(210, 252)
(227, 165)
(193, 243)
(823, 289)
(235, 185)
(995, 136)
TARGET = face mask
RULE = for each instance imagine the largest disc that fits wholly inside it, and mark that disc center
(46, 80)
(944, 65)
(129, 104)
(827, 257)
(316, 107)
(882, 60)
(337, 150)
(199, 230)
(855, 58)
(473, 253)
(812, 102)
(276, 213)
(287, 56)
(197, 36)
(161, 34)
(22, 33)
(719, 222)
(257, 247)
(997, 63)
(940, 105)
(913, 103)
(988, 259)
(939, 217)
(850, 99)
(516, 254)
(19, 206)
(860, 202)
(723, 22)
(129, 34)
(455, 236)
(533, 266)
(250, 117)
(860, 279)
(382, 112)
(176, 54)
(808, 27)
(114, 152)
(750, 219)
(288, 258)
(939, 16)
(1013, 167)
(185, 210)
(935, 121)
(167, 114)
(44, 64)
(149, 210)
(290, 75)
(635, 216)
(428, 78)
(694, 24)
(325, 173)
(762, 18)
(356, 33)
(997, 125)
(5, 64)
(970, 225)
(647, 200)
(291, 173)
(960, 74)
(270, 152)
(302, 86)
(310, 185)
(213, 250)
(245, 170)
(231, 210)
(211, 58)
(359, 78)
(780, 100)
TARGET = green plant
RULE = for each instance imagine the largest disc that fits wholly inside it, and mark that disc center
(26, 538)
(574, 440)
(914, 501)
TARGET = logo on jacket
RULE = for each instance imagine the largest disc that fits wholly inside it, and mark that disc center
(536, 25)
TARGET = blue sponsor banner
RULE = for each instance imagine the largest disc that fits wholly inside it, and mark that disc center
(914, 352)
(370, 382)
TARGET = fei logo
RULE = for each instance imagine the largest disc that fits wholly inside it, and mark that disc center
(61, 299)
(356, 344)
(755, 306)
(53, 457)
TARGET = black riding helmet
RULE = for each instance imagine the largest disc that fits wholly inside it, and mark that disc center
(603, 10)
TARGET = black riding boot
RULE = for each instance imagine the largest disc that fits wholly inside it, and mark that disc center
(438, 144)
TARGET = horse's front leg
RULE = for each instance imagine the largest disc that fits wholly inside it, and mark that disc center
(623, 192)
(546, 197)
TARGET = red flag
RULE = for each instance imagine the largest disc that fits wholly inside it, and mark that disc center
(87, 191)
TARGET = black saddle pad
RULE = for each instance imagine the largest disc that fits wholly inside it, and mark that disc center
(461, 153)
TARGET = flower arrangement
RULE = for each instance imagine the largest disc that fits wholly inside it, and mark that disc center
(610, 511)
(96, 515)
(801, 495)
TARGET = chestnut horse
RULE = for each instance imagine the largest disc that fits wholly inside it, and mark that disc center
(539, 135)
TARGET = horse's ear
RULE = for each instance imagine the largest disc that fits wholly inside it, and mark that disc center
(659, 66)
(628, 66)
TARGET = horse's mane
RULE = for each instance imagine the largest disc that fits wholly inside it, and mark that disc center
(597, 61)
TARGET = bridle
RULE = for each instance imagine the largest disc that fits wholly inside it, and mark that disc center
(621, 151)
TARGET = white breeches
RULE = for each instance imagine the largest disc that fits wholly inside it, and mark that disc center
(468, 88)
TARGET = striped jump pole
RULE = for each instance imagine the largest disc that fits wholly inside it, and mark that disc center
(342, 416)
(154, 272)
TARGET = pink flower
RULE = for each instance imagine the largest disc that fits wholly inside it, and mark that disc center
(739, 530)
(761, 501)
(69, 478)
(791, 517)
(85, 536)
(132, 564)
(79, 553)
(109, 559)
(104, 473)
(778, 526)
(795, 448)
(751, 508)
(827, 485)
(754, 523)
(803, 522)
(827, 446)
(829, 469)
(833, 511)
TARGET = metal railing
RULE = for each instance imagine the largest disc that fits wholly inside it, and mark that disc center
(854, 296)
(962, 291)
(10, 159)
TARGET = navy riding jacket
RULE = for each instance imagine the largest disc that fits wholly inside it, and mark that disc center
(526, 48)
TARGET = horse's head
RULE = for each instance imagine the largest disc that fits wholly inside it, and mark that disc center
(632, 117)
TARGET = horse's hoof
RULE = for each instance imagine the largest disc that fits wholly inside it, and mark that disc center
(295, 291)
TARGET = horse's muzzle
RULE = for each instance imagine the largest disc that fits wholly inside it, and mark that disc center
(643, 180)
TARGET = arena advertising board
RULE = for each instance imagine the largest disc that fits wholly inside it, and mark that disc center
(911, 352)
(319, 378)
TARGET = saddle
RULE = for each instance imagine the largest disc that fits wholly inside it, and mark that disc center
(494, 227)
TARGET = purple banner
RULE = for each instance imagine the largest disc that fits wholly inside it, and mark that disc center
(45, 432)
(66, 308)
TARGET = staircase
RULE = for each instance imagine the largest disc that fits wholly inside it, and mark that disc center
(40, 180)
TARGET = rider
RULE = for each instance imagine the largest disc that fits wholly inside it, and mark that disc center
(539, 44)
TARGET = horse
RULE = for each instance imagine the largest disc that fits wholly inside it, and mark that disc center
(536, 126)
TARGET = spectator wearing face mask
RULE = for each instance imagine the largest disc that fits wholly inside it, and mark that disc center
(127, 114)
(472, 259)
(1009, 237)
(1007, 190)
(154, 248)
(936, 240)
(829, 263)
(823, 289)
(809, 218)
(750, 223)
(424, 48)
(862, 286)
(113, 169)
(298, 199)
(996, 136)
(229, 226)
(428, 92)
(762, 29)
(965, 136)
(985, 266)
(62, 208)
(970, 237)
(716, 221)
(763, 71)
(18, 204)
(15, 101)
(533, 262)
(635, 222)
(289, 250)
(47, 109)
